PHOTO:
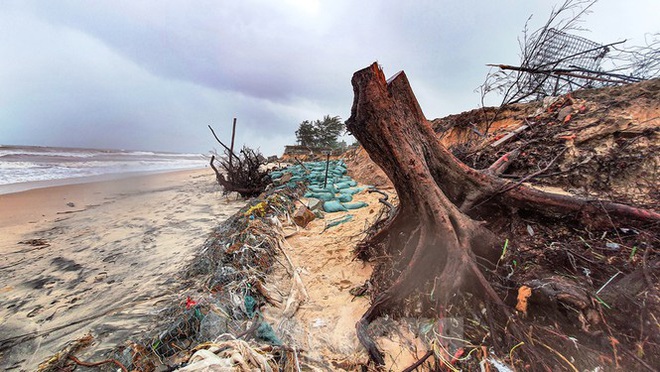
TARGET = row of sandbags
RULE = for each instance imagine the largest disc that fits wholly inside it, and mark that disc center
(336, 192)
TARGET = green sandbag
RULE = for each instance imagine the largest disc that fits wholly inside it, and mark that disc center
(333, 206)
(338, 221)
(345, 198)
(355, 205)
(325, 196)
(351, 191)
(276, 174)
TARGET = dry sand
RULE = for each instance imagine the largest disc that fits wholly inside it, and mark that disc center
(324, 325)
(107, 263)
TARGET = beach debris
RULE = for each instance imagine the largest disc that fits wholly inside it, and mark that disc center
(361, 290)
(65, 360)
(297, 295)
(232, 266)
(508, 136)
(232, 355)
(244, 173)
(314, 204)
(40, 242)
(318, 323)
(338, 221)
(303, 216)
(523, 294)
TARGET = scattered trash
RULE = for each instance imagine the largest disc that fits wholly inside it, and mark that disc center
(297, 296)
(613, 246)
(318, 323)
(314, 204)
(530, 231)
(523, 294)
(303, 216)
(338, 221)
(229, 355)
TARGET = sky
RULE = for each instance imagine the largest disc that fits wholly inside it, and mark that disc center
(152, 74)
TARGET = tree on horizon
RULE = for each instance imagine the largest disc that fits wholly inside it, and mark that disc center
(320, 133)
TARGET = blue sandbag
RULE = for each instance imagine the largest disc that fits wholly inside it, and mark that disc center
(351, 191)
(344, 198)
(355, 205)
(333, 206)
(342, 185)
(325, 196)
(314, 188)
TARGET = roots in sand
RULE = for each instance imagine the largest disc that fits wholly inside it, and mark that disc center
(440, 225)
(245, 173)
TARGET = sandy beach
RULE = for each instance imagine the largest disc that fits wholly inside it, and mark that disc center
(98, 257)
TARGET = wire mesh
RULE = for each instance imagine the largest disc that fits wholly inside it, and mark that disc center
(559, 51)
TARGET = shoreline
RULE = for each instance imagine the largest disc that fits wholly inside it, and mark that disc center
(13, 188)
(98, 257)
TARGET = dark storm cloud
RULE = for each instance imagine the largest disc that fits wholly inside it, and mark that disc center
(153, 74)
(255, 49)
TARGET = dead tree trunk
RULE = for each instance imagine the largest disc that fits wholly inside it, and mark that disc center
(442, 201)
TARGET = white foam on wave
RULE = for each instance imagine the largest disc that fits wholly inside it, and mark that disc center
(30, 164)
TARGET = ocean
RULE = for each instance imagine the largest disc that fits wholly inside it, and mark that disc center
(31, 164)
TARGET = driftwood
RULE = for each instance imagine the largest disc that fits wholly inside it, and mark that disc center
(439, 227)
(243, 173)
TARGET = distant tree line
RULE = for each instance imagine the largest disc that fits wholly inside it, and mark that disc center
(321, 133)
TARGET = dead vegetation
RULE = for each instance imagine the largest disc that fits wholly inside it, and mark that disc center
(244, 173)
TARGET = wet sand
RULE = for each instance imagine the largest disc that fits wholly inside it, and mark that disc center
(98, 257)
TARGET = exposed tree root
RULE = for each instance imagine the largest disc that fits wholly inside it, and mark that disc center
(443, 202)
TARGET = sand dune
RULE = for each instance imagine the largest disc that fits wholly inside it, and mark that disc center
(99, 257)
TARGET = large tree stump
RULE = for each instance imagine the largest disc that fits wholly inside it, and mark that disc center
(443, 202)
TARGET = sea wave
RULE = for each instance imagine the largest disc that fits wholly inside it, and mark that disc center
(29, 164)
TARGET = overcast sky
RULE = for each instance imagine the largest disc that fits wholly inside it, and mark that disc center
(151, 75)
